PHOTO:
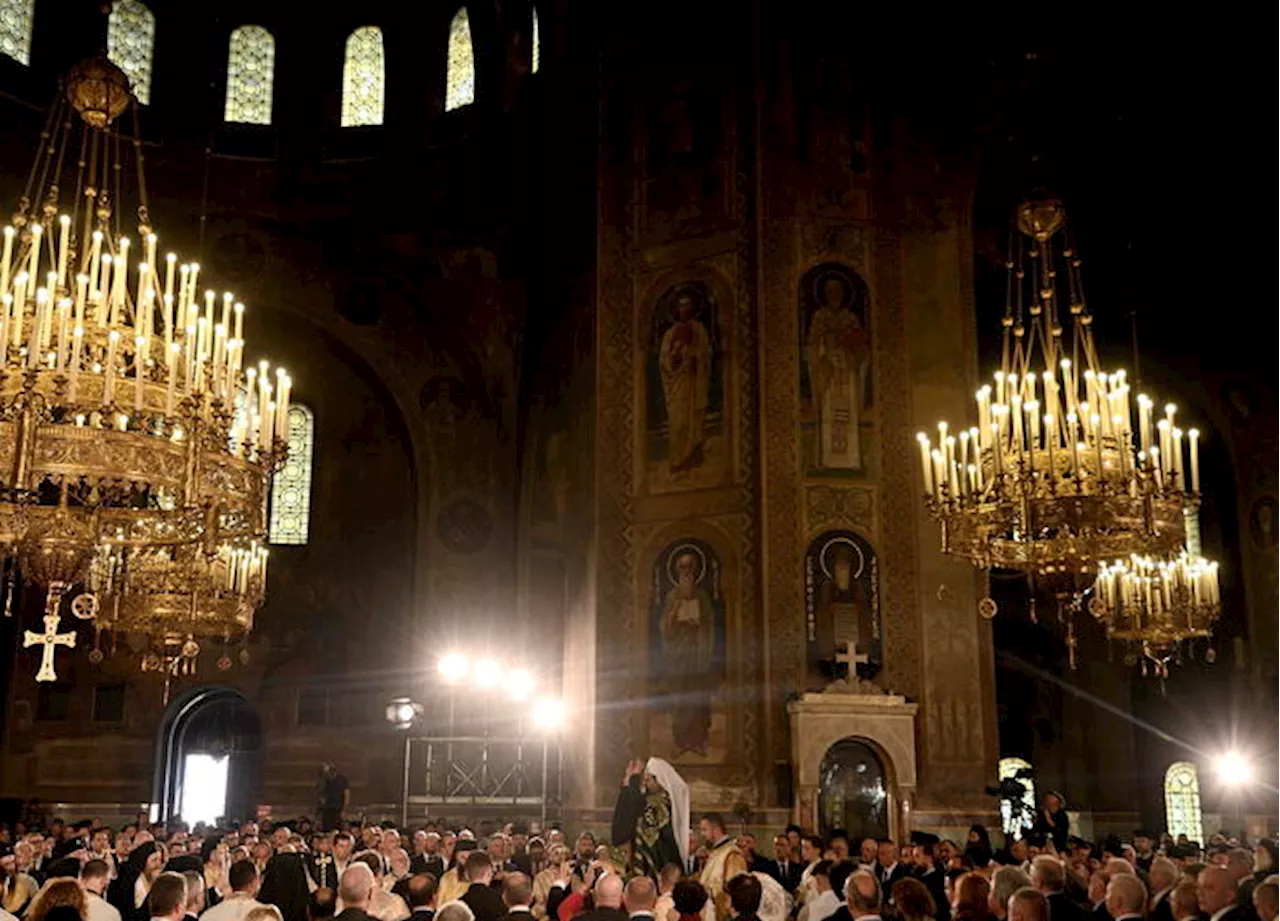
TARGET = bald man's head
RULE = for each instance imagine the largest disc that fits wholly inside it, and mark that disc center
(1028, 904)
(862, 892)
(608, 891)
(355, 888)
(1216, 889)
(1126, 895)
(640, 895)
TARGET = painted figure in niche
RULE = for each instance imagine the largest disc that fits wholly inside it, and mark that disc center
(842, 605)
(685, 391)
(688, 629)
(837, 352)
(1263, 523)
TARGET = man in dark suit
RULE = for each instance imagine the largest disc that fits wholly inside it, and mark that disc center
(426, 854)
(355, 891)
(1163, 875)
(607, 896)
(1050, 877)
(422, 896)
(1126, 897)
(483, 900)
(783, 868)
(888, 870)
(929, 873)
(517, 896)
(1218, 893)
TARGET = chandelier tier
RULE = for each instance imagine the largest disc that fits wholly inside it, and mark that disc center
(136, 450)
(1052, 480)
(1156, 604)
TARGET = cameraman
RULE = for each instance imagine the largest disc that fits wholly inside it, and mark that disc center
(1052, 820)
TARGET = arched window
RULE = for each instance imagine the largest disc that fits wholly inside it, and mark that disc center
(1182, 801)
(537, 43)
(16, 17)
(364, 78)
(1017, 813)
(251, 63)
(460, 80)
(131, 42)
(291, 488)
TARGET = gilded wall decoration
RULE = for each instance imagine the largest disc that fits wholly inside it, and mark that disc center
(827, 506)
(842, 606)
(902, 647)
(837, 396)
(687, 651)
(686, 432)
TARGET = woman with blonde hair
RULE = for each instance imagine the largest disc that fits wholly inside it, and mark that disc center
(58, 893)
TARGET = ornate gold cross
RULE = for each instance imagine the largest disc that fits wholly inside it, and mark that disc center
(51, 639)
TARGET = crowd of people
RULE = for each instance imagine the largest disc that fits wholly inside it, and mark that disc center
(290, 871)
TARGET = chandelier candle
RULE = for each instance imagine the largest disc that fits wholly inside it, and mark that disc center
(136, 455)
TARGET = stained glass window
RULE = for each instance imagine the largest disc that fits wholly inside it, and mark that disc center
(363, 78)
(131, 42)
(1182, 801)
(537, 42)
(15, 29)
(1017, 814)
(460, 80)
(291, 488)
(251, 62)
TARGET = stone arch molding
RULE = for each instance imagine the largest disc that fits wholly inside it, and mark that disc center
(862, 712)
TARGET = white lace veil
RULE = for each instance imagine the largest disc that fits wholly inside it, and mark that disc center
(678, 791)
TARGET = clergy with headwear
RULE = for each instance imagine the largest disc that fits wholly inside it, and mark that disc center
(652, 815)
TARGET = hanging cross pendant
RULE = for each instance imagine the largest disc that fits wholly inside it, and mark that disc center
(51, 639)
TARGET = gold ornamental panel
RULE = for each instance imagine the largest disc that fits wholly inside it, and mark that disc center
(104, 455)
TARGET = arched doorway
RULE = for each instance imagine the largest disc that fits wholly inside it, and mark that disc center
(208, 757)
(853, 793)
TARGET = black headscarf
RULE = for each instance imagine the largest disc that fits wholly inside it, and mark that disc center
(120, 893)
(185, 863)
(978, 853)
(284, 885)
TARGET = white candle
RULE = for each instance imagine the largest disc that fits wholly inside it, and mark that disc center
(1179, 477)
(33, 266)
(109, 386)
(64, 249)
(7, 258)
(1194, 437)
(121, 270)
(19, 304)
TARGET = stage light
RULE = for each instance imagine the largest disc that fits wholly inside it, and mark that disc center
(1234, 769)
(402, 711)
(486, 673)
(453, 667)
(520, 684)
(548, 715)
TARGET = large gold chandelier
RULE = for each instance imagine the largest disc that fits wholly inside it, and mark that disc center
(1066, 471)
(136, 451)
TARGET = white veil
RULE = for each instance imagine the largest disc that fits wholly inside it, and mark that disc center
(678, 791)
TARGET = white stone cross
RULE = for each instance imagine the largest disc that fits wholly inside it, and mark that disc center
(50, 639)
(850, 657)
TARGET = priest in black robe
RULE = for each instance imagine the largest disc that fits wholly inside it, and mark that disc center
(652, 815)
